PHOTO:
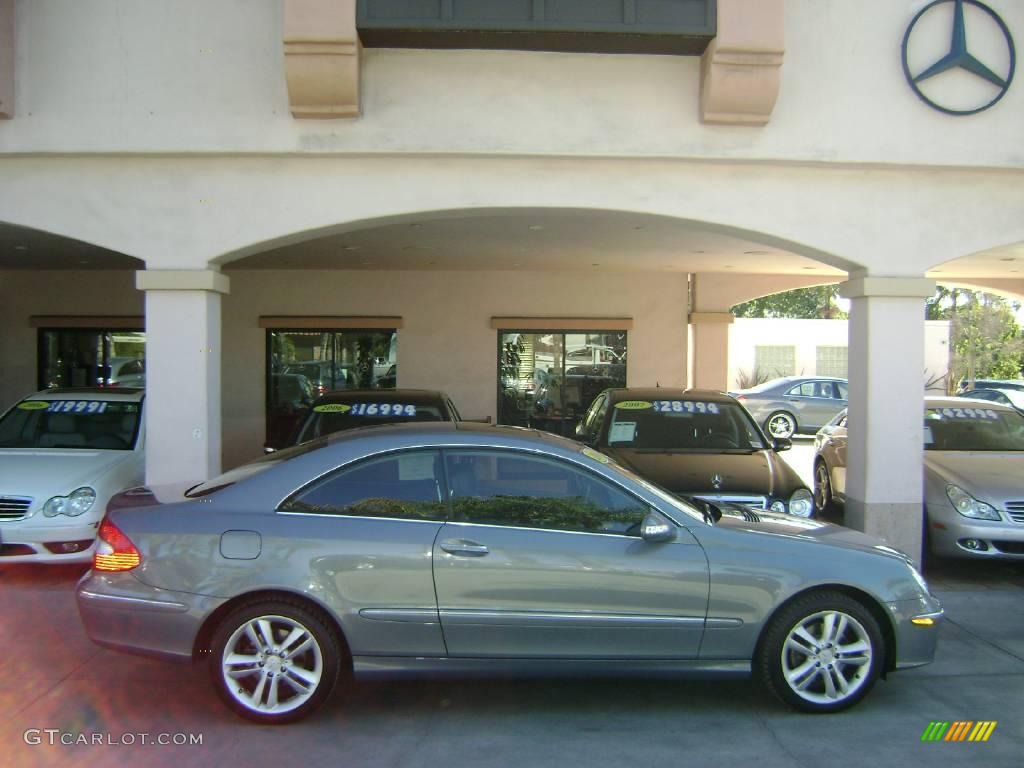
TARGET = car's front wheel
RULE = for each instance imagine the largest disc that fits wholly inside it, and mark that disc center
(823, 502)
(821, 653)
(275, 661)
(780, 425)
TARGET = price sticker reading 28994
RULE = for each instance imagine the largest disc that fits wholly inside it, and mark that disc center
(684, 406)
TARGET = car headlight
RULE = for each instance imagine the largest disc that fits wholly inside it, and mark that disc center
(76, 503)
(968, 506)
(801, 503)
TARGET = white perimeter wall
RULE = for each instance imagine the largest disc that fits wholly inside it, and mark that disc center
(807, 335)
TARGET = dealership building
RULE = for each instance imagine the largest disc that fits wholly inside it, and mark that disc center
(493, 196)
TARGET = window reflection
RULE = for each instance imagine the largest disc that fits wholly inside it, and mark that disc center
(548, 379)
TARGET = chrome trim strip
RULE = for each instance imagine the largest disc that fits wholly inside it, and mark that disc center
(722, 623)
(409, 615)
(410, 666)
(120, 601)
(549, 620)
(465, 524)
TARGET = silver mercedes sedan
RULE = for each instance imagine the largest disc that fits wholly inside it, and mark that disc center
(464, 549)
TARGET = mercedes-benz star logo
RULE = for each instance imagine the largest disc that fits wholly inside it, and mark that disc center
(959, 57)
(716, 481)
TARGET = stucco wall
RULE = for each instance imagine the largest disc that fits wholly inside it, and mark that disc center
(447, 341)
(136, 76)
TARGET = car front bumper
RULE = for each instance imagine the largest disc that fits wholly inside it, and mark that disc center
(916, 624)
(953, 535)
(120, 612)
(45, 540)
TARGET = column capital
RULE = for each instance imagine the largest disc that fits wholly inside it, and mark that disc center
(725, 318)
(887, 287)
(182, 280)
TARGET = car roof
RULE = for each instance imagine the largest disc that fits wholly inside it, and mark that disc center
(123, 394)
(668, 393)
(406, 434)
(413, 396)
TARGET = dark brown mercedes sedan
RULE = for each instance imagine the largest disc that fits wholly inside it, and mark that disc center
(697, 443)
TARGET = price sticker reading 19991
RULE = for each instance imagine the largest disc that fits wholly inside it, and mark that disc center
(684, 406)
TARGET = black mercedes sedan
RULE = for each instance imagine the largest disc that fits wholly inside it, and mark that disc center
(697, 443)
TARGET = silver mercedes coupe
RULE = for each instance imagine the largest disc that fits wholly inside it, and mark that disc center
(463, 549)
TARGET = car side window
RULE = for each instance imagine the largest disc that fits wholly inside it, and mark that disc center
(524, 491)
(402, 485)
(840, 390)
(802, 390)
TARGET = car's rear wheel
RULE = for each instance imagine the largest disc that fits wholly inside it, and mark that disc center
(780, 425)
(821, 653)
(275, 661)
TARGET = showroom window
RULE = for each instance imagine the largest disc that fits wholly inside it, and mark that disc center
(91, 357)
(304, 363)
(547, 379)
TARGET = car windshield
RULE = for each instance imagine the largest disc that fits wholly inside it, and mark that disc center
(682, 425)
(326, 418)
(973, 429)
(72, 423)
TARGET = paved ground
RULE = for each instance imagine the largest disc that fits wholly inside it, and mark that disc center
(54, 678)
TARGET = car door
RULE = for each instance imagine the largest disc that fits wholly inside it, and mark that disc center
(542, 558)
(837, 463)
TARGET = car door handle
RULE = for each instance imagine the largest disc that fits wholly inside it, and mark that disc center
(464, 548)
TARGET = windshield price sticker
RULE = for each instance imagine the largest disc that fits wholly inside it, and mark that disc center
(967, 413)
(382, 409)
(634, 405)
(64, 406)
(685, 406)
(331, 408)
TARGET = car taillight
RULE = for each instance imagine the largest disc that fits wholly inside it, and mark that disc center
(114, 550)
(741, 398)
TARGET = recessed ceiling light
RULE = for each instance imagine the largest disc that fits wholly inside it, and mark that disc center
(366, 263)
(415, 225)
(757, 253)
(639, 229)
(351, 248)
(728, 266)
(21, 247)
(696, 251)
(810, 267)
(595, 264)
(83, 261)
(1008, 258)
(536, 227)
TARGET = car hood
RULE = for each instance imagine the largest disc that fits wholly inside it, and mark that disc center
(45, 472)
(760, 521)
(761, 472)
(993, 475)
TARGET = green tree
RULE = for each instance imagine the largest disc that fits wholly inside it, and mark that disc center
(985, 340)
(817, 303)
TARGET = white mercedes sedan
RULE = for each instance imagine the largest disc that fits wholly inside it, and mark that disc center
(63, 454)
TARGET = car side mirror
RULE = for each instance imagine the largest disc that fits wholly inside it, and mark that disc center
(656, 528)
(782, 444)
(582, 434)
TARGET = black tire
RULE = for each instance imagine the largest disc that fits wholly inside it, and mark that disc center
(780, 425)
(300, 681)
(813, 680)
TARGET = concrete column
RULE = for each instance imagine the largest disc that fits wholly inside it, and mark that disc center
(884, 479)
(183, 336)
(711, 349)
